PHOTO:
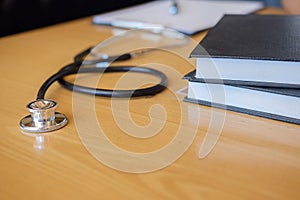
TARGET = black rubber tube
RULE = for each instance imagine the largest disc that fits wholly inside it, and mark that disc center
(74, 69)
(78, 66)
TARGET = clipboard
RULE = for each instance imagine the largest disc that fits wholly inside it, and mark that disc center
(193, 15)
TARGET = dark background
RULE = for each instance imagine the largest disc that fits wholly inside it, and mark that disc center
(21, 15)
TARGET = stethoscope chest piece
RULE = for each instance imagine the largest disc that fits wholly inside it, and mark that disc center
(43, 117)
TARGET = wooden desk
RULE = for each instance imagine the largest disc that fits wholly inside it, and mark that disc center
(254, 158)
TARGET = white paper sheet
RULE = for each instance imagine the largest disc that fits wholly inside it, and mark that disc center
(193, 16)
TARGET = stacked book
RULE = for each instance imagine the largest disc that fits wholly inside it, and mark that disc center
(250, 64)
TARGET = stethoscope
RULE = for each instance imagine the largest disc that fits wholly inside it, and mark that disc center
(44, 118)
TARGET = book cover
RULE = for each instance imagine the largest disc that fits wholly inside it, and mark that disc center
(261, 37)
(281, 104)
(260, 48)
(192, 76)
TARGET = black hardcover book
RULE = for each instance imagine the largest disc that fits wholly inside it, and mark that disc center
(281, 104)
(252, 48)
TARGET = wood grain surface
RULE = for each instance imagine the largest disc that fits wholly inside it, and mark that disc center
(254, 158)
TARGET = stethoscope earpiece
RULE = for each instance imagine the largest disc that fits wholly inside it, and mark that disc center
(43, 117)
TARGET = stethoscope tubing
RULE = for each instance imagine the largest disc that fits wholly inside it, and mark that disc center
(78, 66)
